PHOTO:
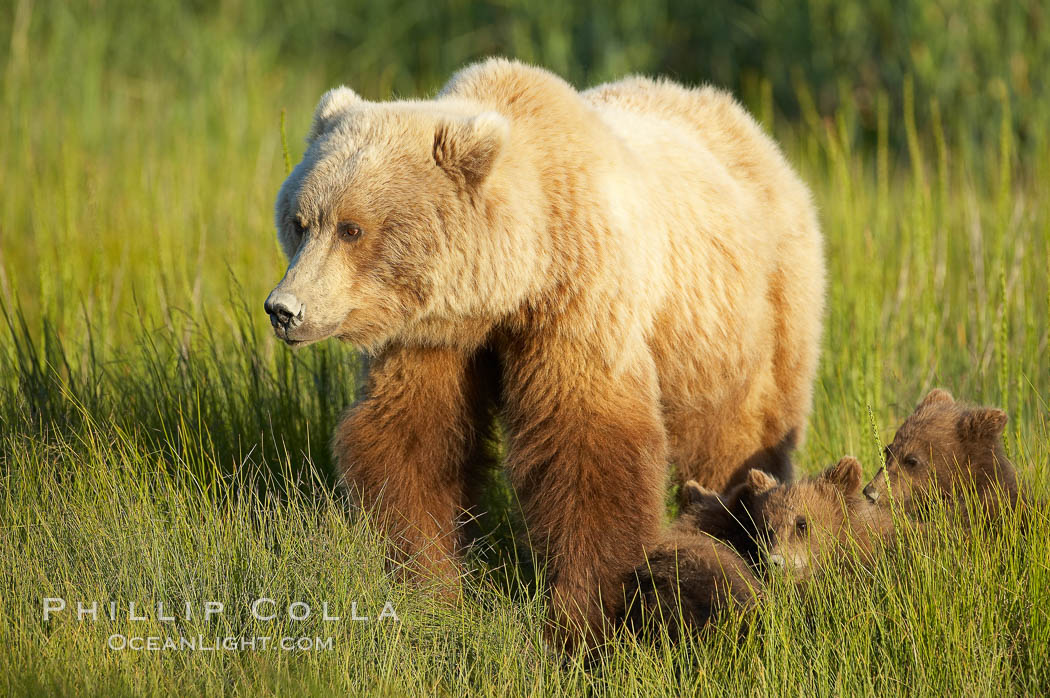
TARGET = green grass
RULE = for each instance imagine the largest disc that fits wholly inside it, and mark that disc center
(157, 444)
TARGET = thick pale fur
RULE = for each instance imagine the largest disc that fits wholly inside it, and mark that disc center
(633, 274)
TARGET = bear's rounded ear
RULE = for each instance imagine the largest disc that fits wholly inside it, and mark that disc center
(332, 104)
(759, 481)
(982, 424)
(846, 475)
(466, 149)
(937, 396)
(693, 493)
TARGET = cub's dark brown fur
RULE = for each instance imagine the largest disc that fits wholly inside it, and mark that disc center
(943, 450)
(726, 517)
(688, 581)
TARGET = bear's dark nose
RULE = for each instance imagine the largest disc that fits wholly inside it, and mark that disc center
(284, 309)
(872, 494)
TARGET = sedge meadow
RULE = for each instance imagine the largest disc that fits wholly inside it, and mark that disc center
(158, 444)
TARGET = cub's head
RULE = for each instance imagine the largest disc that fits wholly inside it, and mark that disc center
(381, 219)
(799, 525)
(726, 517)
(941, 447)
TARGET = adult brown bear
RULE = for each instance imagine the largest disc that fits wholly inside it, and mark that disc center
(631, 276)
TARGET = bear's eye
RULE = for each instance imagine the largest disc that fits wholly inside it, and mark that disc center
(349, 231)
(910, 462)
(298, 227)
(801, 527)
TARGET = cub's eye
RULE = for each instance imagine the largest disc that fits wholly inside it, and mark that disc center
(298, 227)
(801, 527)
(910, 462)
(349, 231)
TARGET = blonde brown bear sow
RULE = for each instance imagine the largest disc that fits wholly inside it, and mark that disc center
(631, 276)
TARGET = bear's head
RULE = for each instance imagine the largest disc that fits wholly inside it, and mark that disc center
(385, 219)
(801, 525)
(725, 517)
(943, 447)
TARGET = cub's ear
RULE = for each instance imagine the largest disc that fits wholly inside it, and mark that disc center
(936, 396)
(332, 104)
(759, 481)
(693, 493)
(982, 424)
(466, 149)
(845, 475)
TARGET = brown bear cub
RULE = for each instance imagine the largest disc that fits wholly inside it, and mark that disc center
(689, 580)
(808, 525)
(705, 564)
(946, 450)
(702, 567)
(725, 517)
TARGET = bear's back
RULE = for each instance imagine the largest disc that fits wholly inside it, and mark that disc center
(630, 112)
(718, 122)
(532, 97)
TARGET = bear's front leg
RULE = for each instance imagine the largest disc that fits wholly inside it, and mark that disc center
(587, 456)
(409, 451)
